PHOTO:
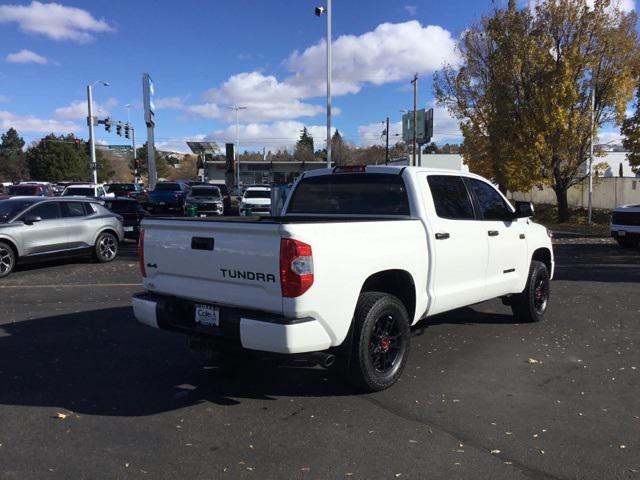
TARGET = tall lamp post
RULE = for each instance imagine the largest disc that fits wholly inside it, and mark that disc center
(319, 12)
(92, 142)
(236, 152)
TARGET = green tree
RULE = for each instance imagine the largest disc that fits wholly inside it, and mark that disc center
(104, 167)
(523, 92)
(340, 150)
(58, 158)
(631, 135)
(13, 164)
(304, 147)
(162, 169)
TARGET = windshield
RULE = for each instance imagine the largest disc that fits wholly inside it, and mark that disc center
(24, 190)
(167, 187)
(257, 194)
(351, 194)
(122, 187)
(205, 192)
(10, 208)
(81, 191)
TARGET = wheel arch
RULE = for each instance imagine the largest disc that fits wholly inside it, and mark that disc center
(13, 245)
(394, 282)
(543, 255)
(107, 229)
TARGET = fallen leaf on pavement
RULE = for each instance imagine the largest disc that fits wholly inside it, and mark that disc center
(495, 451)
(61, 416)
(533, 361)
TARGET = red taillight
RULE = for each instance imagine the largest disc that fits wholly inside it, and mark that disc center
(143, 270)
(296, 267)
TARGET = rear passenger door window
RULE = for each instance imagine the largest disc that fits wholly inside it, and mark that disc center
(450, 197)
(73, 209)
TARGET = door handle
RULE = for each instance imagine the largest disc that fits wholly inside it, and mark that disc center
(493, 233)
(442, 236)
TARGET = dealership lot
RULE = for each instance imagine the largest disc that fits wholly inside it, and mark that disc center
(482, 397)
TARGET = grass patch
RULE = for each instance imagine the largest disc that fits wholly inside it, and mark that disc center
(547, 215)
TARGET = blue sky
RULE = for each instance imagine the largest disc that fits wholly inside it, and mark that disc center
(205, 56)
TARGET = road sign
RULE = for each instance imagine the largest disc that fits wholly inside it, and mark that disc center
(119, 147)
(424, 132)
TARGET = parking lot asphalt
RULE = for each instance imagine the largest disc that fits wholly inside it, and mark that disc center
(482, 396)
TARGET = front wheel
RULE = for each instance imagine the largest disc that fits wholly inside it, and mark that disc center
(7, 259)
(531, 304)
(106, 248)
(625, 242)
(380, 346)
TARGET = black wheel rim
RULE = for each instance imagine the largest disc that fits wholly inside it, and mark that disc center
(386, 344)
(541, 294)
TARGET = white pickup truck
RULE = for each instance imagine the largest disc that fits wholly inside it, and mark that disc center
(358, 255)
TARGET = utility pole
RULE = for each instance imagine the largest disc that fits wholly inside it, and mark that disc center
(136, 172)
(415, 115)
(92, 142)
(386, 156)
(593, 127)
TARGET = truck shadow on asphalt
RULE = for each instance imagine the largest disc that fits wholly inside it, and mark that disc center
(103, 362)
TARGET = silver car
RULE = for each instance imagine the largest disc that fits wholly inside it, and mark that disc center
(38, 228)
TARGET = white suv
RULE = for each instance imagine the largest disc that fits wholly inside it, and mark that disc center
(87, 190)
(256, 201)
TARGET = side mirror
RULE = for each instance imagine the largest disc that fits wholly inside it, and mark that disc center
(31, 219)
(524, 210)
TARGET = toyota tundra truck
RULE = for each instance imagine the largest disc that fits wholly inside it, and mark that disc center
(357, 256)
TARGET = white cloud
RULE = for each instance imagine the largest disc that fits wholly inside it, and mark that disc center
(272, 136)
(390, 53)
(78, 109)
(609, 137)
(446, 129)
(31, 124)
(175, 103)
(26, 56)
(411, 9)
(373, 133)
(55, 21)
(178, 144)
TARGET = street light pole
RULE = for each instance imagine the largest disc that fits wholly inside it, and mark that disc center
(319, 11)
(415, 115)
(92, 142)
(386, 156)
(236, 152)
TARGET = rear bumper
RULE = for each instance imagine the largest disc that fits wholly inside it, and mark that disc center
(253, 330)
(630, 231)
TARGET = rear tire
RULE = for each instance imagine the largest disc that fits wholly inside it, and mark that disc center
(627, 242)
(380, 345)
(7, 259)
(106, 247)
(531, 304)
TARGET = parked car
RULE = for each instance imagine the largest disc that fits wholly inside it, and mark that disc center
(34, 229)
(625, 225)
(256, 201)
(167, 196)
(132, 190)
(226, 196)
(358, 256)
(87, 190)
(131, 212)
(30, 190)
(207, 200)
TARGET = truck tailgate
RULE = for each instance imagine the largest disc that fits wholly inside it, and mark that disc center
(227, 263)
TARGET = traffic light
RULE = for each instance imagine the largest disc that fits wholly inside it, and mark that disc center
(107, 124)
(126, 130)
(119, 129)
(87, 148)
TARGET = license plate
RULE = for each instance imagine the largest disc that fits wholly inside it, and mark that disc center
(207, 315)
(622, 233)
(128, 229)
